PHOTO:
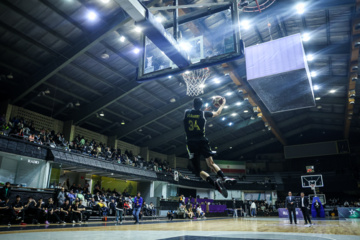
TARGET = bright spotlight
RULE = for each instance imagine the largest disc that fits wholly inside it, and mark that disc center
(245, 24)
(316, 87)
(136, 50)
(206, 104)
(122, 39)
(159, 19)
(105, 1)
(332, 91)
(300, 8)
(223, 119)
(137, 29)
(92, 15)
(246, 111)
(202, 85)
(238, 104)
(310, 57)
(317, 98)
(169, 76)
(228, 93)
(234, 114)
(216, 80)
(185, 46)
(313, 74)
(226, 107)
(306, 37)
(230, 123)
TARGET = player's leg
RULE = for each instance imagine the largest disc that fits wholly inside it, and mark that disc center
(208, 154)
(217, 183)
(215, 168)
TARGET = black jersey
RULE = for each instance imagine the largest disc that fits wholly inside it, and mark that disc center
(194, 123)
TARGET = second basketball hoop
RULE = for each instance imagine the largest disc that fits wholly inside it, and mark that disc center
(195, 81)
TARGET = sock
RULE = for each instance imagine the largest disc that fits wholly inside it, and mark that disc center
(210, 180)
(220, 174)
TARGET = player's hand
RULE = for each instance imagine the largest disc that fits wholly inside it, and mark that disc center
(224, 101)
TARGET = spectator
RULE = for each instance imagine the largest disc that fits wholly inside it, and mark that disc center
(119, 210)
(6, 210)
(5, 192)
(138, 201)
(253, 209)
(170, 215)
(18, 210)
(52, 212)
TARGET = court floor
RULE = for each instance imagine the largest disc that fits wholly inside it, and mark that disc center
(209, 229)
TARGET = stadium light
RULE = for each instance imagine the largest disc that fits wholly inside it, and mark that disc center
(92, 15)
(316, 87)
(306, 37)
(245, 24)
(310, 57)
(300, 8)
(122, 39)
(136, 50)
(332, 91)
(313, 74)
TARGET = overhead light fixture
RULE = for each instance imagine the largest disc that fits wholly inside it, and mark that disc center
(172, 100)
(332, 91)
(245, 24)
(300, 8)
(351, 100)
(228, 93)
(354, 78)
(216, 80)
(70, 105)
(310, 57)
(122, 122)
(316, 87)
(206, 104)
(226, 107)
(211, 125)
(169, 77)
(313, 74)
(140, 130)
(187, 72)
(317, 98)
(122, 39)
(202, 85)
(234, 114)
(105, 55)
(238, 104)
(223, 119)
(159, 19)
(230, 124)
(252, 117)
(92, 15)
(77, 104)
(137, 29)
(357, 44)
(259, 115)
(246, 111)
(352, 93)
(105, 1)
(47, 91)
(355, 67)
(186, 46)
(136, 50)
(306, 37)
(256, 109)
(351, 112)
(10, 76)
(319, 107)
(102, 114)
(41, 94)
(269, 128)
(266, 124)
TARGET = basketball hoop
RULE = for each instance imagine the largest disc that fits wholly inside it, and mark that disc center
(312, 187)
(195, 81)
(257, 6)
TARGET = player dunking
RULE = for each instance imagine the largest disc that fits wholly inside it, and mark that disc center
(198, 144)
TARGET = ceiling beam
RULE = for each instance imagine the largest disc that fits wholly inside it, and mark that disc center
(255, 101)
(288, 134)
(162, 112)
(68, 56)
(354, 56)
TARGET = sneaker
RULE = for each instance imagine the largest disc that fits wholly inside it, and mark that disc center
(220, 187)
(229, 181)
(73, 221)
(18, 218)
(47, 222)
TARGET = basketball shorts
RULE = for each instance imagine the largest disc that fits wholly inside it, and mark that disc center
(198, 148)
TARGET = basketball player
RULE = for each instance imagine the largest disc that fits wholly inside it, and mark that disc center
(198, 144)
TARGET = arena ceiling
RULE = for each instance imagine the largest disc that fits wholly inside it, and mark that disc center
(76, 59)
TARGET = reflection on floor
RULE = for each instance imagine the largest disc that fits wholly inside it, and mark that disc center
(211, 229)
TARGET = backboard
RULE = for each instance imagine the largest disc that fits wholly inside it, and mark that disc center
(307, 180)
(206, 36)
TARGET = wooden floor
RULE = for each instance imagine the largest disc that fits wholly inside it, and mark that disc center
(338, 229)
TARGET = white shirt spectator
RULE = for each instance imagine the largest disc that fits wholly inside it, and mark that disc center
(346, 204)
(253, 205)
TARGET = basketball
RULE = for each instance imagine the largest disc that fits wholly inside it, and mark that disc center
(218, 101)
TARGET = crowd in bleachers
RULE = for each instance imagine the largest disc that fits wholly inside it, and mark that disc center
(74, 204)
(24, 129)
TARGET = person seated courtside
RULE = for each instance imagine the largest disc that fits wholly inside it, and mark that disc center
(18, 210)
(30, 209)
(84, 214)
(76, 213)
(52, 212)
(65, 212)
(170, 215)
(6, 211)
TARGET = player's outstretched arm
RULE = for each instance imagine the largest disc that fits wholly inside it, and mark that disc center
(218, 112)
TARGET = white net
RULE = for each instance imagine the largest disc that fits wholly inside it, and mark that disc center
(195, 81)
